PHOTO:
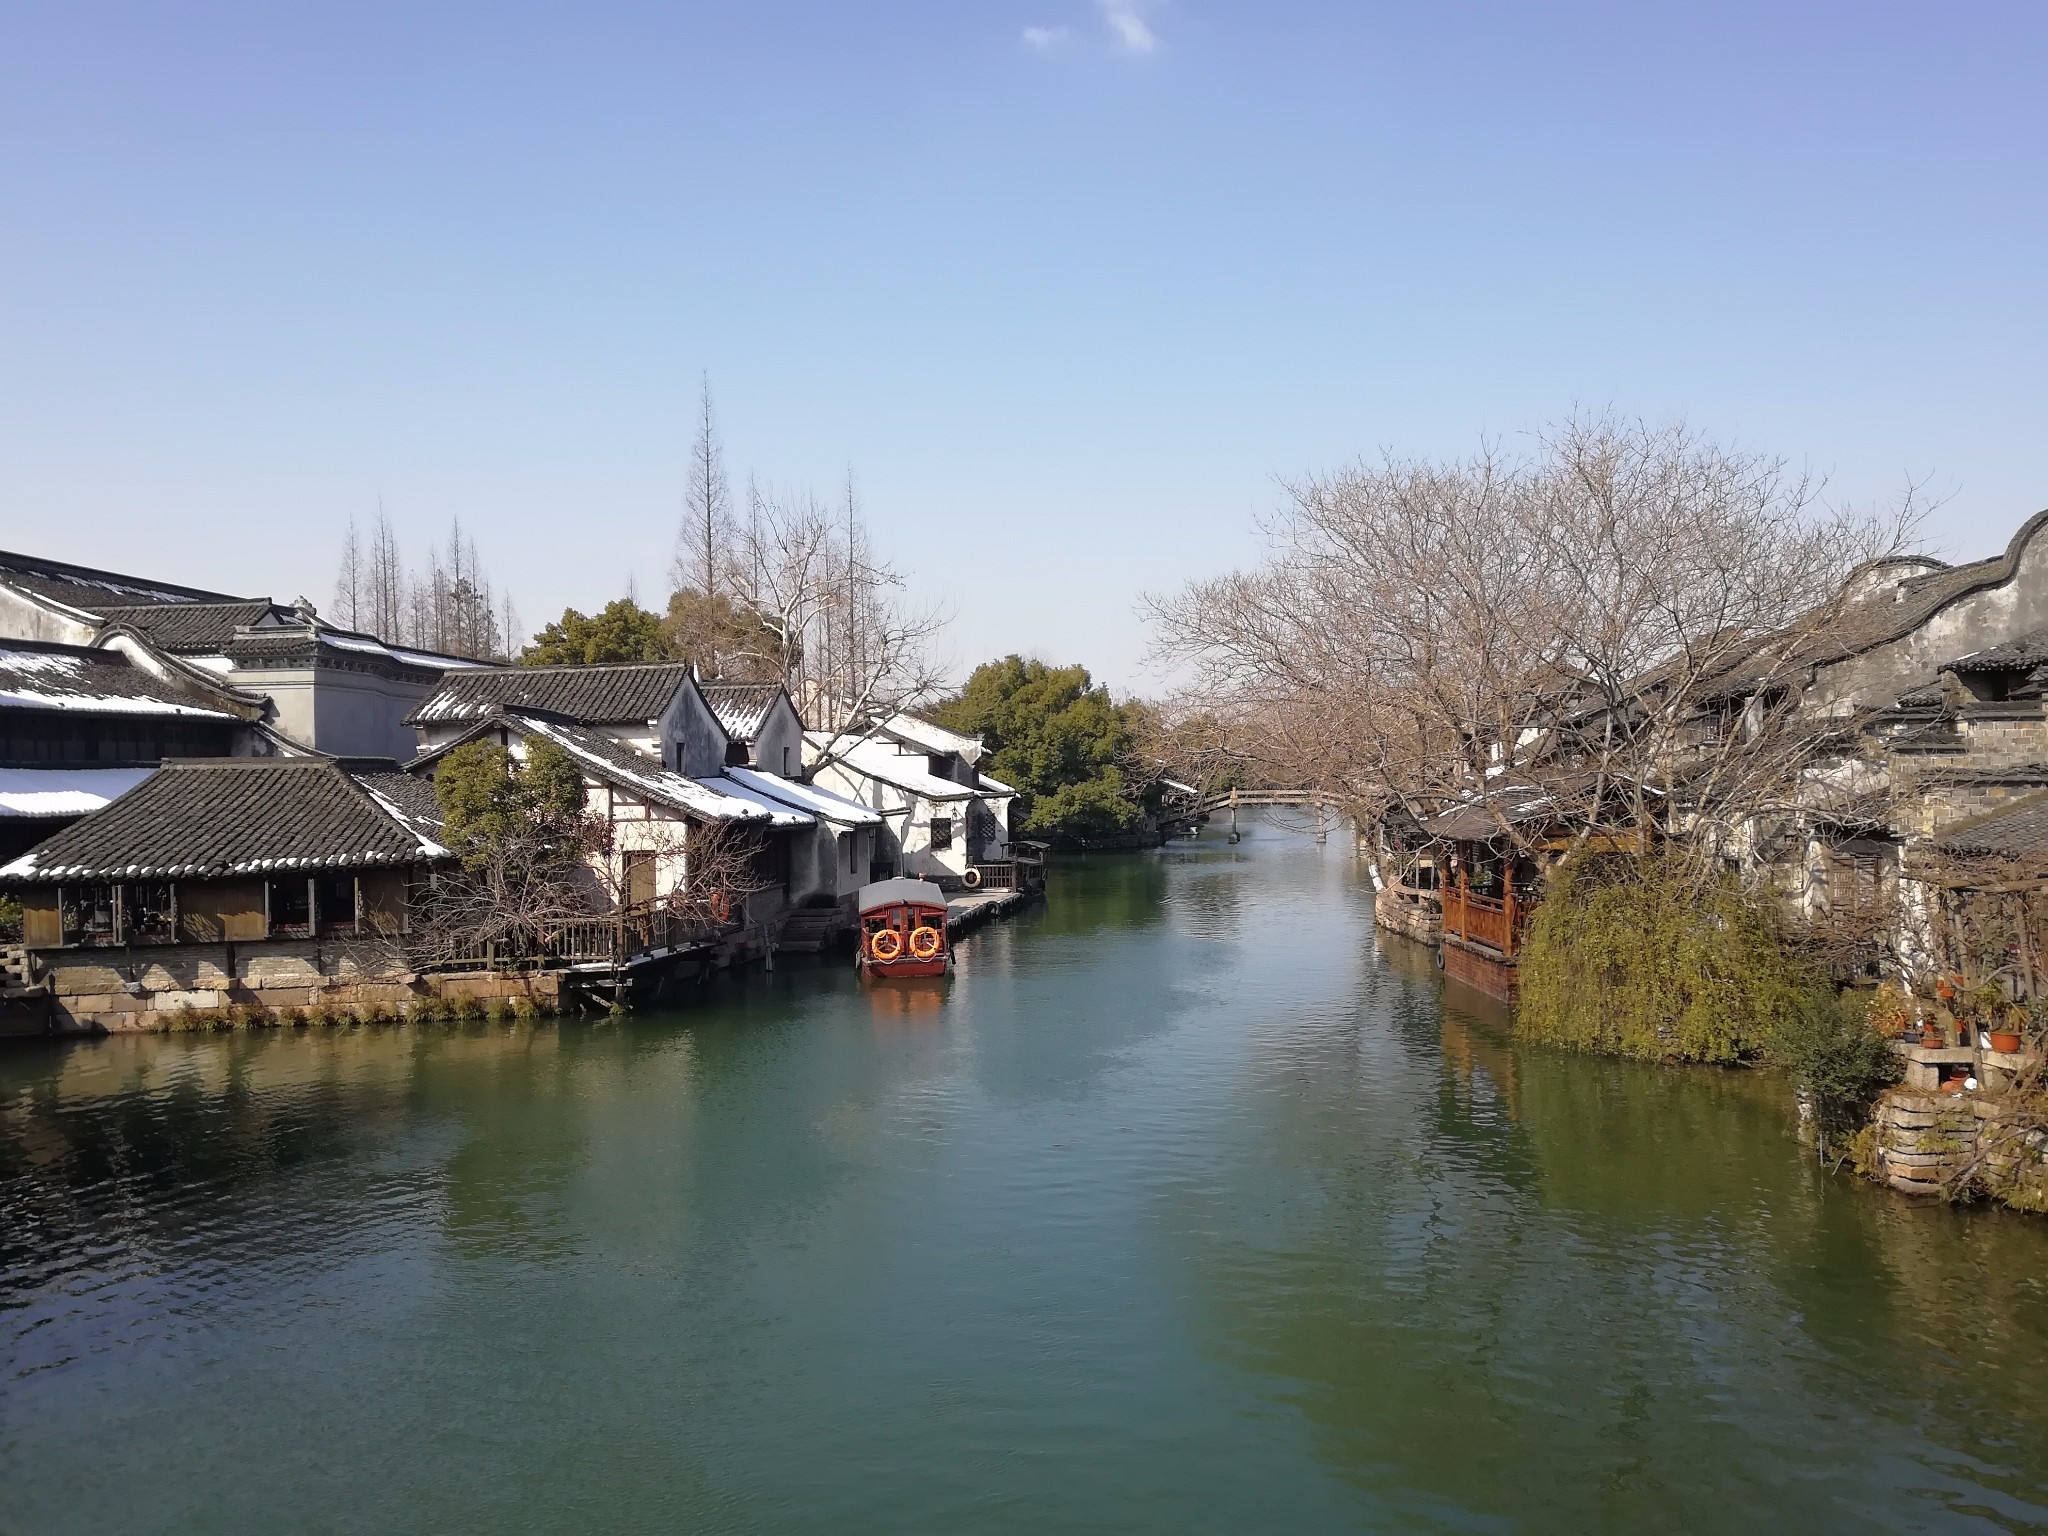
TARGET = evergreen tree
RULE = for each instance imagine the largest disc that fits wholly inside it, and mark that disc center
(490, 801)
(622, 631)
(1059, 740)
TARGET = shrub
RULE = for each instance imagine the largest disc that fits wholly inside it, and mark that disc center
(1631, 956)
(10, 918)
(1840, 1063)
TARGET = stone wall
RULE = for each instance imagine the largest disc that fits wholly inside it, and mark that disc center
(1422, 921)
(120, 991)
(1961, 1145)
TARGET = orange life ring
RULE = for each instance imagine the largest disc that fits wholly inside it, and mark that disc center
(721, 907)
(885, 944)
(924, 942)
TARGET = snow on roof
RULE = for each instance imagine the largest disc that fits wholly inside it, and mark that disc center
(606, 693)
(35, 675)
(781, 813)
(742, 708)
(64, 791)
(880, 760)
(65, 582)
(814, 798)
(995, 785)
(201, 818)
(929, 737)
(620, 765)
(373, 646)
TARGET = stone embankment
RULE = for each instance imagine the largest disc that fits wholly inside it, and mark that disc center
(142, 990)
(1962, 1145)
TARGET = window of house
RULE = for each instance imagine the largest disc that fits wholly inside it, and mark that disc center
(639, 877)
(1856, 882)
(148, 913)
(846, 848)
(942, 832)
(90, 914)
(334, 896)
(289, 906)
(785, 762)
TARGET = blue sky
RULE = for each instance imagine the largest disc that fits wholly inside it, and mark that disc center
(1067, 283)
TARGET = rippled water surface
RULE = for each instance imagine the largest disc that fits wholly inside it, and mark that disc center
(1186, 1206)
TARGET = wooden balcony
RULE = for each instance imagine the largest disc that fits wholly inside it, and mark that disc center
(1498, 922)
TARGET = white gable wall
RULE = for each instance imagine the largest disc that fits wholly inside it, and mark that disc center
(780, 746)
(691, 740)
(905, 843)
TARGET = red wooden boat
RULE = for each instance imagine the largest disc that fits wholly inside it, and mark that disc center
(903, 929)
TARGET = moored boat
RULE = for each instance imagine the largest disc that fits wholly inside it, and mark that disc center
(903, 929)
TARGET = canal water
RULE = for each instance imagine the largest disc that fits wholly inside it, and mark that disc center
(1187, 1206)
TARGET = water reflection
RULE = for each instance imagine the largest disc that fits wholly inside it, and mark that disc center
(1184, 1205)
(1597, 1293)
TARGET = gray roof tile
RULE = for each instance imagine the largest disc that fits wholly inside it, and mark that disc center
(226, 816)
(36, 674)
(742, 708)
(621, 694)
(88, 589)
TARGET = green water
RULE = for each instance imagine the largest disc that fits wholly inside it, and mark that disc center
(1186, 1207)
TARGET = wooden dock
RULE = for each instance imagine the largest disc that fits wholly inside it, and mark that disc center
(970, 909)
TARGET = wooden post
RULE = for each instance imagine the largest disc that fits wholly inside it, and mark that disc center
(1508, 900)
(1464, 894)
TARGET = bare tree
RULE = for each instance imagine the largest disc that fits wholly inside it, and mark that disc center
(1615, 622)
(827, 617)
(386, 580)
(349, 578)
(521, 900)
(702, 544)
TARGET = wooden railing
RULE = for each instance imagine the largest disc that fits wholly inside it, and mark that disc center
(615, 938)
(1024, 870)
(1498, 922)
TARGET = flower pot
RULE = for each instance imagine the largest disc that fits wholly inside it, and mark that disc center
(2006, 1040)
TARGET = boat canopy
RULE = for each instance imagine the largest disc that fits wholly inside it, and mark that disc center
(901, 892)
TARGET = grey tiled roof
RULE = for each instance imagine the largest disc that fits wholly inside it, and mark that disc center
(76, 679)
(2020, 831)
(623, 694)
(1478, 820)
(742, 708)
(2022, 654)
(227, 816)
(86, 588)
(191, 629)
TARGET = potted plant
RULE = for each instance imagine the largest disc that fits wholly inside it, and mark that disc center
(2006, 1036)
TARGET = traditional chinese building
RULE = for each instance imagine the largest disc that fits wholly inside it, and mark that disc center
(279, 882)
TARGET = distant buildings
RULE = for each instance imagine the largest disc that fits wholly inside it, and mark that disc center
(208, 800)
